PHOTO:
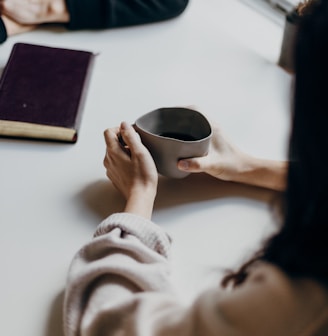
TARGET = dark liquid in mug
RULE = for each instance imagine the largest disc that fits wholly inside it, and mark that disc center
(178, 136)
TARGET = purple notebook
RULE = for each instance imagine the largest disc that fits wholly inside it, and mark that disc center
(42, 92)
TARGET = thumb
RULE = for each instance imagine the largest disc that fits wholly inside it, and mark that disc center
(194, 165)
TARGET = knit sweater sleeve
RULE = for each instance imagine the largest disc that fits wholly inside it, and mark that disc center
(119, 284)
(3, 31)
(97, 14)
(128, 255)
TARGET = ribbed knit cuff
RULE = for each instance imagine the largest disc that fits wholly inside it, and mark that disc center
(145, 230)
(3, 31)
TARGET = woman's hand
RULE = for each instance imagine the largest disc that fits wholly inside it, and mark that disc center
(14, 28)
(131, 169)
(34, 12)
(223, 160)
(226, 162)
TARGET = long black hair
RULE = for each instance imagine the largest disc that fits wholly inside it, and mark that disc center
(300, 248)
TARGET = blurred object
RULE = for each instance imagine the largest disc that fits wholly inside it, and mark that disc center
(284, 5)
(286, 59)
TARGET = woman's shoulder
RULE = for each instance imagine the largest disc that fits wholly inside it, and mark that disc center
(270, 302)
(275, 280)
(307, 298)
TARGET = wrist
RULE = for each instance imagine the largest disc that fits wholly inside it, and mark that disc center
(141, 202)
(264, 173)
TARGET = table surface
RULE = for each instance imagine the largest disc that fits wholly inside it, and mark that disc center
(219, 56)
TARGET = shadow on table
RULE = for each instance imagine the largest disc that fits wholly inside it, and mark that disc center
(103, 199)
(55, 321)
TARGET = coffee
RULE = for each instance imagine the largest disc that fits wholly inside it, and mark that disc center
(178, 136)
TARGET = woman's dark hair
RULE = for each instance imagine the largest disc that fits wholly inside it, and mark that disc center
(300, 248)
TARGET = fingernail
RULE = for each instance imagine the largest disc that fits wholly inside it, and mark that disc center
(124, 125)
(184, 165)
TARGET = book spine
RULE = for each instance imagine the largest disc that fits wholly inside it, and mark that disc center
(83, 93)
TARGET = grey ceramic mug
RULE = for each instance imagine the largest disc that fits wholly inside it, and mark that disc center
(174, 133)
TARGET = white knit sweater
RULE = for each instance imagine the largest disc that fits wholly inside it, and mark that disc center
(119, 285)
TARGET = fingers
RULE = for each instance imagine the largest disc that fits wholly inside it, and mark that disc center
(124, 137)
(17, 11)
(35, 11)
(111, 136)
(14, 28)
(131, 138)
(120, 141)
(112, 144)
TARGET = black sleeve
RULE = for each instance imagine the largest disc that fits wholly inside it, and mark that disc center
(3, 32)
(97, 14)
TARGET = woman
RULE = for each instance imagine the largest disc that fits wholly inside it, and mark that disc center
(19, 16)
(119, 283)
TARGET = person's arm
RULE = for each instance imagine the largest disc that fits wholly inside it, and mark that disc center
(117, 13)
(264, 173)
(109, 275)
(226, 162)
(92, 14)
(120, 284)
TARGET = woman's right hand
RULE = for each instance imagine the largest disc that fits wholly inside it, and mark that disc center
(131, 169)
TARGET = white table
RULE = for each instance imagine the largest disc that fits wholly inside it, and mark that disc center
(220, 56)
